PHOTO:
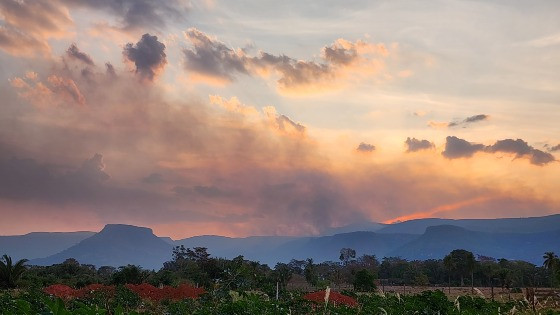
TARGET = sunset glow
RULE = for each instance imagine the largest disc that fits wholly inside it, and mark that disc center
(242, 118)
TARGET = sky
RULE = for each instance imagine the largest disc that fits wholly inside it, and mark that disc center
(255, 117)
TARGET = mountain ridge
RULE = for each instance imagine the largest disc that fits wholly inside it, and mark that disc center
(121, 244)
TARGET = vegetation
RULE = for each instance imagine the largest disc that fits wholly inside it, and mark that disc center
(9, 272)
(193, 282)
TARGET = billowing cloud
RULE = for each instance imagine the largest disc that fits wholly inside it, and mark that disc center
(27, 25)
(75, 53)
(413, 144)
(211, 59)
(459, 148)
(521, 149)
(365, 147)
(148, 55)
(185, 165)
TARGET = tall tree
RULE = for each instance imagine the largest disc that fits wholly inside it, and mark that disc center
(550, 262)
(10, 273)
(310, 272)
(346, 255)
(460, 262)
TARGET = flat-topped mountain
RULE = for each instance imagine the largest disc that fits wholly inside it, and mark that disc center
(116, 245)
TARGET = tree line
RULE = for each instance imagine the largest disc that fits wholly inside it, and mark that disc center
(364, 273)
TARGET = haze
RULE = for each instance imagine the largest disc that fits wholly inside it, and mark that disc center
(254, 117)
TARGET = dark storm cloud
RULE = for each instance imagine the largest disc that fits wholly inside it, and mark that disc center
(148, 56)
(74, 52)
(413, 144)
(138, 14)
(365, 147)
(458, 148)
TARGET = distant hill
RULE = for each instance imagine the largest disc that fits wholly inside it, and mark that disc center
(504, 225)
(438, 241)
(355, 227)
(272, 249)
(39, 244)
(328, 247)
(116, 245)
(260, 248)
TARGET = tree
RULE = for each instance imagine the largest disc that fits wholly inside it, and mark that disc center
(460, 262)
(10, 273)
(310, 272)
(130, 274)
(364, 281)
(282, 274)
(346, 255)
(550, 262)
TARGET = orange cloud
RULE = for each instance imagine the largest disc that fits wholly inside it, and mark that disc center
(29, 24)
(342, 62)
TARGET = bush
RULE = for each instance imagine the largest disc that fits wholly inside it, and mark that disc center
(364, 281)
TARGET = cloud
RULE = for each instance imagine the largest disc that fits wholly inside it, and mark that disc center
(212, 58)
(138, 14)
(459, 148)
(67, 88)
(27, 25)
(365, 147)
(216, 62)
(521, 148)
(413, 144)
(476, 118)
(242, 170)
(24, 178)
(554, 148)
(464, 122)
(75, 53)
(56, 90)
(148, 55)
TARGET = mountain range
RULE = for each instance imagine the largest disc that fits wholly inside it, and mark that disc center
(118, 244)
